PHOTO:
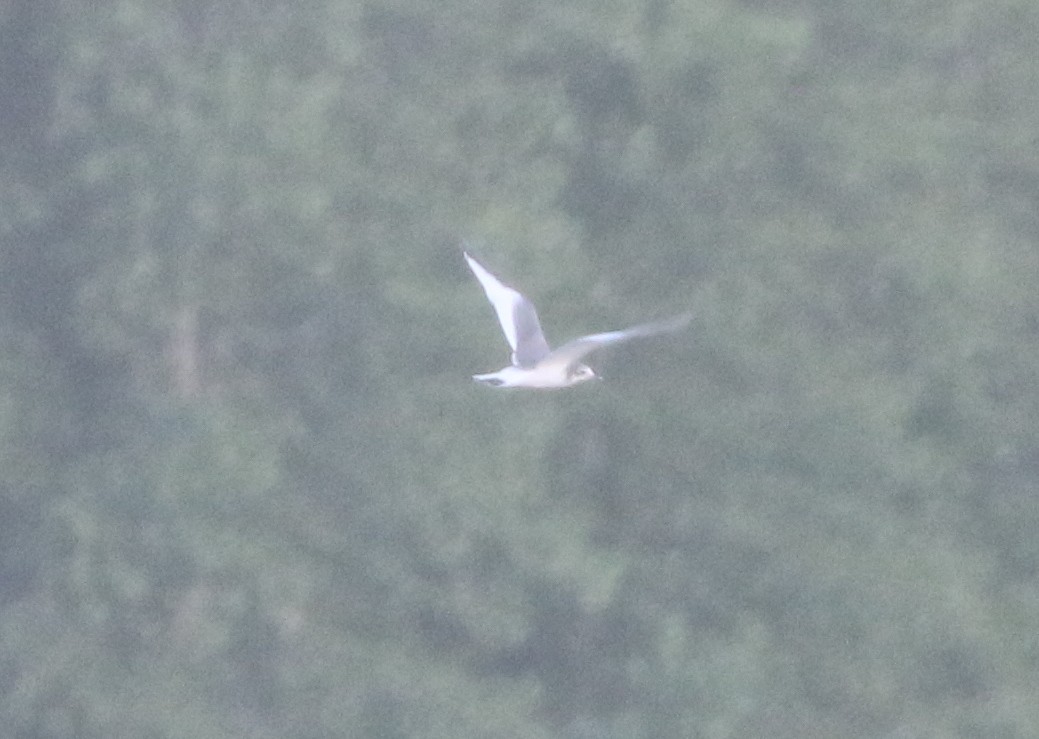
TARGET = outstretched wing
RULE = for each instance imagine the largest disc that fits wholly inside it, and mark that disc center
(572, 352)
(517, 316)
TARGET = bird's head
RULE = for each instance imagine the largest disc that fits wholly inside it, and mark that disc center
(581, 373)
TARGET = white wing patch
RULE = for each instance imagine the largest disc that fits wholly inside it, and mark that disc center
(516, 314)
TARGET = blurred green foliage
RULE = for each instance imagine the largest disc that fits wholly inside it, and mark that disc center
(249, 490)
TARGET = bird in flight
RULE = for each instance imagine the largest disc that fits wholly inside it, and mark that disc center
(534, 364)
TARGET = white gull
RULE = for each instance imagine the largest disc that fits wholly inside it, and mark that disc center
(534, 364)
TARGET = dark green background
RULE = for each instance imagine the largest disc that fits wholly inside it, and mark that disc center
(249, 490)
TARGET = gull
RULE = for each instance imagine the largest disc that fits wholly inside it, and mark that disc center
(534, 364)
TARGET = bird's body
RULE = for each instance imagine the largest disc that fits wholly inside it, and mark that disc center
(534, 364)
(544, 378)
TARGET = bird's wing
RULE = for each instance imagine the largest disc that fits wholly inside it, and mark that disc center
(573, 351)
(516, 314)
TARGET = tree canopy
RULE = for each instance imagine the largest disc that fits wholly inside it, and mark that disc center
(250, 490)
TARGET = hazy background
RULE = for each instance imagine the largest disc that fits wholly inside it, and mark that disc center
(249, 489)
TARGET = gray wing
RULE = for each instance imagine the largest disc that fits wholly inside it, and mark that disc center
(572, 352)
(516, 314)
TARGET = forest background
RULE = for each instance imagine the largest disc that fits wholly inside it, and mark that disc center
(249, 489)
